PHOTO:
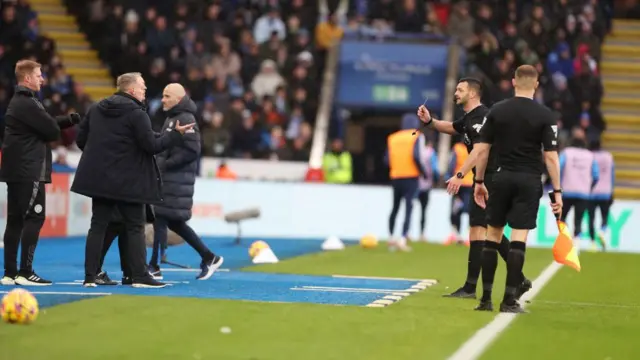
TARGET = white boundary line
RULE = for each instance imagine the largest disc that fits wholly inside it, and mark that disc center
(189, 270)
(81, 282)
(482, 339)
(341, 291)
(346, 289)
(380, 278)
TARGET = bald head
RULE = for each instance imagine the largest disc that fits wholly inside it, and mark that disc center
(172, 95)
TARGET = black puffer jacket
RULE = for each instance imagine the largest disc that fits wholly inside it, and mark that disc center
(118, 147)
(178, 165)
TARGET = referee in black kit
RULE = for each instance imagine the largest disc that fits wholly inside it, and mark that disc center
(521, 131)
(468, 94)
(26, 168)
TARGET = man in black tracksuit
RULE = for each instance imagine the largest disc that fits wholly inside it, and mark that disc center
(178, 166)
(117, 170)
(26, 168)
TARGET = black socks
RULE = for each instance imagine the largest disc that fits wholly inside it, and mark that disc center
(489, 265)
(505, 246)
(474, 265)
(515, 263)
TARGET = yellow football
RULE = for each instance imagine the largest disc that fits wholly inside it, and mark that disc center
(19, 306)
(369, 241)
(256, 247)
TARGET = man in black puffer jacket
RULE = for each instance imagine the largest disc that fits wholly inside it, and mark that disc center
(178, 166)
(118, 170)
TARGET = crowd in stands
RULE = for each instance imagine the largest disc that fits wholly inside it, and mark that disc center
(254, 67)
(627, 9)
(20, 37)
(561, 38)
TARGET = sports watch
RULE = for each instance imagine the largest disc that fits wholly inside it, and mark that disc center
(429, 122)
(459, 175)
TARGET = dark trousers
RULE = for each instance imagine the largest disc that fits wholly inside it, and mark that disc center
(423, 197)
(407, 190)
(133, 220)
(580, 206)
(25, 216)
(160, 233)
(116, 229)
(604, 206)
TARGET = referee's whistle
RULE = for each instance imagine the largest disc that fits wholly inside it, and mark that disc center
(421, 123)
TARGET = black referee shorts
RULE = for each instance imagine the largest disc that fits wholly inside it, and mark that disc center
(478, 215)
(514, 199)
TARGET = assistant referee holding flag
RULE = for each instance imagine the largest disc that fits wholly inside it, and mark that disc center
(26, 168)
(521, 131)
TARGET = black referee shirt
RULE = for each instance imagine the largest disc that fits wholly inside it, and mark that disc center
(518, 128)
(469, 126)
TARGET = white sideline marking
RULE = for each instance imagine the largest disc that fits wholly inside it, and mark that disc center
(80, 282)
(376, 305)
(346, 289)
(189, 270)
(480, 341)
(382, 278)
(64, 293)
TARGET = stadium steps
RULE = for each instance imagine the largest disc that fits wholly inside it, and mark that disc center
(620, 69)
(79, 59)
(627, 189)
(621, 83)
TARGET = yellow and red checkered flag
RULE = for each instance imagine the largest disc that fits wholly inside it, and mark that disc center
(563, 250)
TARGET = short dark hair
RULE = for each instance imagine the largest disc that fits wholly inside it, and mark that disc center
(473, 83)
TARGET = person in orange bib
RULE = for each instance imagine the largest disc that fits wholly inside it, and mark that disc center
(405, 169)
(460, 201)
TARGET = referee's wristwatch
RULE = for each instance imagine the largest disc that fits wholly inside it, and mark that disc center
(459, 175)
(429, 122)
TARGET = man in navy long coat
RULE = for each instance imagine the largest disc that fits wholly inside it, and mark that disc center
(179, 166)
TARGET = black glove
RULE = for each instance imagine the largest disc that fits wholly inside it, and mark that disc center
(75, 118)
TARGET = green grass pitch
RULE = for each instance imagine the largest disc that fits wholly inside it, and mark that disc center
(594, 314)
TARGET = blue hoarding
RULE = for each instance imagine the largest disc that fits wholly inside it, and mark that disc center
(391, 76)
